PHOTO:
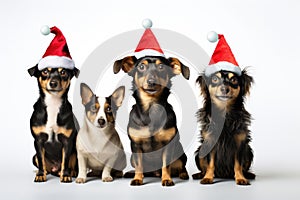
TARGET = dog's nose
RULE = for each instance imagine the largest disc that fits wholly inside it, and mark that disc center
(224, 89)
(53, 84)
(101, 121)
(151, 82)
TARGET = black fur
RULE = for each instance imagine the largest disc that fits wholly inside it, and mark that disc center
(51, 161)
(152, 118)
(159, 115)
(224, 126)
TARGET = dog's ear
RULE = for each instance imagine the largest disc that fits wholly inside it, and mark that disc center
(203, 85)
(86, 93)
(127, 64)
(178, 68)
(33, 71)
(76, 72)
(118, 95)
(246, 82)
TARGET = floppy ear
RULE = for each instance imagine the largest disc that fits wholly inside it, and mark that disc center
(118, 95)
(127, 64)
(33, 71)
(203, 86)
(246, 82)
(86, 93)
(178, 68)
(76, 72)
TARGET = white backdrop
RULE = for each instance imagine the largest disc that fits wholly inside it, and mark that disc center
(262, 34)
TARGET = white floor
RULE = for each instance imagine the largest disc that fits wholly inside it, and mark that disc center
(271, 183)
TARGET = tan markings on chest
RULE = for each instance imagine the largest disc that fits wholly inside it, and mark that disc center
(37, 130)
(139, 135)
(53, 104)
(143, 135)
(165, 135)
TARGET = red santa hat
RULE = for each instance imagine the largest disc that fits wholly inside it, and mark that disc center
(57, 53)
(148, 45)
(222, 58)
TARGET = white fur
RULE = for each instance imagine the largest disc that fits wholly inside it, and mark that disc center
(99, 149)
(53, 104)
(101, 112)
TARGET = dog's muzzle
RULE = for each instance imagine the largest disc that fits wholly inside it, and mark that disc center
(54, 85)
(101, 122)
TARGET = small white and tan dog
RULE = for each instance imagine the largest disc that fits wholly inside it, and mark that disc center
(99, 147)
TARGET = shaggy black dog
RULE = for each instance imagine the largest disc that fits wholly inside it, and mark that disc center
(225, 151)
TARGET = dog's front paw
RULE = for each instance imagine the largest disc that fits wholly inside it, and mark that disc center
(80, 180)
(136, 182)
(40, 178)
(65, 179)
(242, 181)
(207, 181)
(107, 179)
(167, 183)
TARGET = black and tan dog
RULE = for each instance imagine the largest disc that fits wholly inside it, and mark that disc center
(225, 151)
(53, 125)
(152, 122)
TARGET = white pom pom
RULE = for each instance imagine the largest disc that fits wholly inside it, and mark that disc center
(212, 36)
(45, 30)
(147, 23)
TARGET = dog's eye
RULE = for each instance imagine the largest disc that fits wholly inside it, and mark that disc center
(215, 79)
(161, 67)
(63, 72)
(93, 108)
(234, 80)
(108, 109)
(141, 67)
(45, 72)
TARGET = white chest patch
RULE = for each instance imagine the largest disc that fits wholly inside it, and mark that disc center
(53, 104)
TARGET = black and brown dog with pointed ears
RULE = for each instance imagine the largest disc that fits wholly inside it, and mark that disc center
(53, 125)
(225, 151)
(152, 129)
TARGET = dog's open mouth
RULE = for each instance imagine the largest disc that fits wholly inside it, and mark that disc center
(151, 90)
(55, 90)
(224, 98)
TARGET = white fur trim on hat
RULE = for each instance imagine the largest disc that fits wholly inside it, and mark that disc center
(147, 52)
(56, 62)
(222, 65)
